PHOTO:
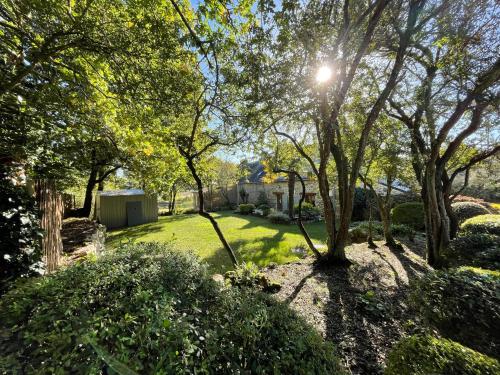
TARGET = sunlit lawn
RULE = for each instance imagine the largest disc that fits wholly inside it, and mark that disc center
(254, 239)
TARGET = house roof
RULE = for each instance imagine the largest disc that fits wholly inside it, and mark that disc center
(115, 193)
(257, 173)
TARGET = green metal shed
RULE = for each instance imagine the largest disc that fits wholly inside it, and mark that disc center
(121, 208)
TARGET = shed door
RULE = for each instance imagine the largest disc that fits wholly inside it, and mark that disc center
(134, 213)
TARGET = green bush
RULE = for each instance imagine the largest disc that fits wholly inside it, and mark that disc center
(20, 233)
(246, 208)
(410, 213)
(482, 224)
(308, 212)
(466, 210)
(463, 305)
(265, 208)
(262, 199)
(424, 355)
(152, 310)
(249, 275)
(474, 249)
(358, 232)
(279, 218)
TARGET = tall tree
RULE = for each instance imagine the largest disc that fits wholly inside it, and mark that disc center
(450, 90)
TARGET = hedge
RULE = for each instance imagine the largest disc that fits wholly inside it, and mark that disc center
(424, 355)
(278, 218)
(474, 249)
(482, 224)
(410, 213)
(463, 305)
(246, 208)
(150, 309)
(466, 210)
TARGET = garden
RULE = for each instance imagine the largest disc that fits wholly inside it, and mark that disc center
(245, 187)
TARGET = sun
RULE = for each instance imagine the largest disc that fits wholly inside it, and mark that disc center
(324, 74)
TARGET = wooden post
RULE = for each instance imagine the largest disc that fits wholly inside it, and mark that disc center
(51, 209)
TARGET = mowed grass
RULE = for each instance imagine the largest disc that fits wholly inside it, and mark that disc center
(254, 239)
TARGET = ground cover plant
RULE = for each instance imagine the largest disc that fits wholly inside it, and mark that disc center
(149, 310)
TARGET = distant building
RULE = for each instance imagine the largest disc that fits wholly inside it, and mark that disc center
(121, 208)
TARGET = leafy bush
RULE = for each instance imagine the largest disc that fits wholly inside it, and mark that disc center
(279, 218)
(265, 208)
(20, 233)
(411, 213)
(466, 210)
(249, 275)
(424, 354)
(152, 310)
(246, 208)
(476, 249)
(262, 199)
(189, 211)
(482, 224)
(308, 212)
(463, 304)
(466, 198)
(358, 232)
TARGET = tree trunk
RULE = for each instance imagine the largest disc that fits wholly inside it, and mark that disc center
(206, 215)
(52, 211)
(87, 203)
(437, 223)
(291, 193)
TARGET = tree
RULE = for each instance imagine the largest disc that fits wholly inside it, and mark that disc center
(386, 163)
(294, 42)
(450, 89)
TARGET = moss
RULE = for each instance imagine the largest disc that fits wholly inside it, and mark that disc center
(410, 213)
(424, 354)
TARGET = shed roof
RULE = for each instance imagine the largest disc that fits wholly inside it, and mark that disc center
(116, 193)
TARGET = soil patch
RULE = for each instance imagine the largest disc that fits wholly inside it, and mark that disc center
(362, 308)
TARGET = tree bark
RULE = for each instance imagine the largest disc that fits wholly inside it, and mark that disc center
(89, 189)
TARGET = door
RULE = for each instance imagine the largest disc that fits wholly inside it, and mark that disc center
(134, 213)
(279, 201)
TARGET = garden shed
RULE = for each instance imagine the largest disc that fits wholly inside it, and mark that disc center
(121, 208)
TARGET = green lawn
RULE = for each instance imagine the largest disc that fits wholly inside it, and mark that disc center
(254, 239)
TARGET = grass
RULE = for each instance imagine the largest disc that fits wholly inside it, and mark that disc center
(254, 239)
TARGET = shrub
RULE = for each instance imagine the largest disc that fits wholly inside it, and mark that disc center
(265, 208)
(249, 275)
(359, 230)
(20, 233)
(246, 208)
(262, 199)
(424, 354)
(476, 249)
(152, 310)
(466, 210)
(466, 198)
(189, 211)
(411, 214)
(308, 212)
(463, 305)
(279, 218)
(482, 224)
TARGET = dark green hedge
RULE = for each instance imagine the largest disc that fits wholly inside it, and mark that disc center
(425, 355)
(463, 305)
(152, 310)
(410, 213)
(466, 210)
(246, 208)
(474, 249)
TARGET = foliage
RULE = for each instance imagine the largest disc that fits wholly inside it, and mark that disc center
(482, 224)
(262, 199)
(475, 249)
(424, 354)
(463, 304)
(308, 212)
(358, 233)
(411, 213)
(152, 310)
(278, 218)
(246, 208)
(248, 275)
(360, 205)
(20, 234)
(265, 209)
(466, 210)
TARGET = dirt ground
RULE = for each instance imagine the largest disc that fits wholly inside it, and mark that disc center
(362, 309)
